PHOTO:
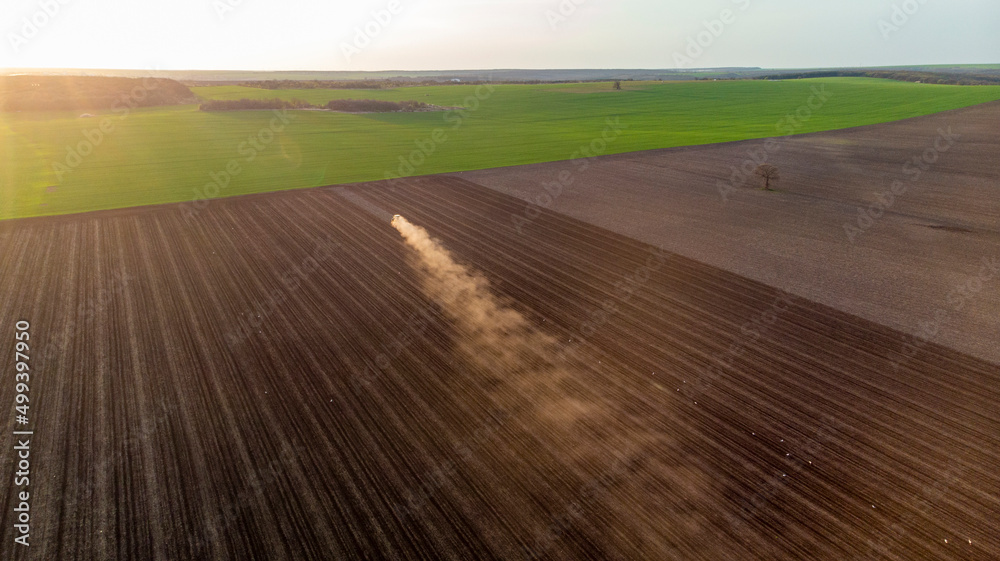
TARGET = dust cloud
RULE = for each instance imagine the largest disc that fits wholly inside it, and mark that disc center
(556, 404)
(492, 334)
(497, 339)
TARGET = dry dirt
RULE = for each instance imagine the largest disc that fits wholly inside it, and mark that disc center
(274, 381)
(916, 268)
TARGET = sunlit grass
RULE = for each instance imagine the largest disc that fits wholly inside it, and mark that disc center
(166, 154)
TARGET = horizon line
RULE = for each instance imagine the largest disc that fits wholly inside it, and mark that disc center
(609, 69)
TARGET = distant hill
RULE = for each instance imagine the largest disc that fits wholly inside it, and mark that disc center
(70, 93)
(952, 78)
(497, 75)
(301, 79)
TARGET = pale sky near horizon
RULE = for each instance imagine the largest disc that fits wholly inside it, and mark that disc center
(481, 34)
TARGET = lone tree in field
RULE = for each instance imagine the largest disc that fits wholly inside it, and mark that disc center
(618, 84)
(767, 173)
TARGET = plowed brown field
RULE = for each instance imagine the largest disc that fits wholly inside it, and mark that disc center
(910, 266)
(271, 381)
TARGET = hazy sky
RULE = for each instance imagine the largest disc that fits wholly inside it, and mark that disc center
(472, 34)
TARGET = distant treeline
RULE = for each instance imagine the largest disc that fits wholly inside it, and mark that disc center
(71, 93)
(346, 84)
(344, 105)
(322, 84)
(254, 104)
(375, 106)
(371, 84)
(964, 79)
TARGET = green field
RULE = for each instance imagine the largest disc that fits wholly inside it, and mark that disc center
(163, 155)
